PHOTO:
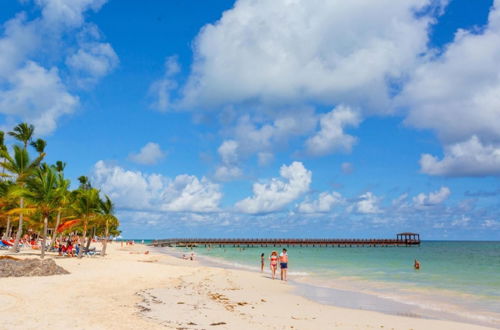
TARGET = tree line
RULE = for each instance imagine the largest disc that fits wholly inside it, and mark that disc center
(36, 196)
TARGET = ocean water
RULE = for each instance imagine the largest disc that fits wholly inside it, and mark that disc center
(458, 280)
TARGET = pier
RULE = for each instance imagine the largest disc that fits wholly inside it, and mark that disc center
(402, 239)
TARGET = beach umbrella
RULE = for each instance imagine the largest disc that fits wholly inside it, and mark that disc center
(66, 225)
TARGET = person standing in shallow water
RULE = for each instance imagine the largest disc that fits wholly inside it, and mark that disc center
(262, 262)
(283, 264)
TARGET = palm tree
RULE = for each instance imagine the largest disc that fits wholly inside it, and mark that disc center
(60, 166)
(107, 208)
(22, 168)
(64, 200)
(85, 207)
(39, 145)
(84, 183)
(6, 204)
(23, 132)
(43, 192)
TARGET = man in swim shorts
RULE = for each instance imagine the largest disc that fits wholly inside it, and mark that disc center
(283, 264)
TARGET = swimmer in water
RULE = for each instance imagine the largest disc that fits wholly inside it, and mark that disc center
(416, 264)
(262, 262)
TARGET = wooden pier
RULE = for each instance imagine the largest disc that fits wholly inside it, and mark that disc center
(402, 239)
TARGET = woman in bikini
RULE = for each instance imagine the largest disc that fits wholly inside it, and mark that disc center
(274, 262)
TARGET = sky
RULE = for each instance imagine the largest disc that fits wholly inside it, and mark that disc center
(253, 118)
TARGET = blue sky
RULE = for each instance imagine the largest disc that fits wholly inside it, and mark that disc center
(267, 118)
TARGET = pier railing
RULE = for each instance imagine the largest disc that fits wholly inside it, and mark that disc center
(282, 242)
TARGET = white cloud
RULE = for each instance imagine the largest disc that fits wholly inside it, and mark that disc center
(422, 201)
(150, 154)
(276, 194)
(228, 170)
(228, 152)
(92, 62)
(469, 158)
(331, 51)
(67, 13)
(331, 136)
(253, 137)
(457, 95)
(367, 203)
(490, 224)
(323, 204)
(140, 191)
(160, 90)
(37, 95)
(32, 90)
(461, 222)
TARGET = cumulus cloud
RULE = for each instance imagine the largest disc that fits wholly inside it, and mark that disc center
(469, 158)
(35, 91)
(367, 203)
(457, 95)
(325, 202)
(331, 136)
(422, 201)
(37, 94)
(139, 191)
(150, 154)
(348, 53)
(228, 169)
(161, 89)
(276, 194)
(254, 137)
(92, 62)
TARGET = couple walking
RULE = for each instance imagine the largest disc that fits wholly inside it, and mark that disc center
(273, 258)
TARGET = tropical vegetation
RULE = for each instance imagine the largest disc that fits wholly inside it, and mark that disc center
(35, 197)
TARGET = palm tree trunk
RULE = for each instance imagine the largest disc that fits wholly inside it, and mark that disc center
(105, 243)
(87, 246)
(7, 230)
(20, 230)
(80, 254)
(44, 238)
(55, 229)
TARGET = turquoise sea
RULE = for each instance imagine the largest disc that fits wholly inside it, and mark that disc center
(458, 280)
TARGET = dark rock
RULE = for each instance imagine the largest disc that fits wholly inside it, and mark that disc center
(30, 267)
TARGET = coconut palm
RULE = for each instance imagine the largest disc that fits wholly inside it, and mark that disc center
(43, 192)
(39, 145)
(23, 132)
(6, 204)
(22, 168)
(60, 166)
(85, 207)
(64, 201)
(106, 207)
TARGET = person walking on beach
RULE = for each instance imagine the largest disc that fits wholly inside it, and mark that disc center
(262, 262)
(273, 263)
(283, 264)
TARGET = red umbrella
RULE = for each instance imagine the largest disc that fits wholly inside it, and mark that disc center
(66, 225)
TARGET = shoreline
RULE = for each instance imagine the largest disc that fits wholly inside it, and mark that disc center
(128, 289)
(353, 297)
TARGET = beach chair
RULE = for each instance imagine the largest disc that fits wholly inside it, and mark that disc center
(4, 246)
(91, 252)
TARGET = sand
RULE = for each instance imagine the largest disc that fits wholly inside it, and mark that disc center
(131, 290)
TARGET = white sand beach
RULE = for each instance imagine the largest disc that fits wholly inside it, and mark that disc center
(128, 289)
